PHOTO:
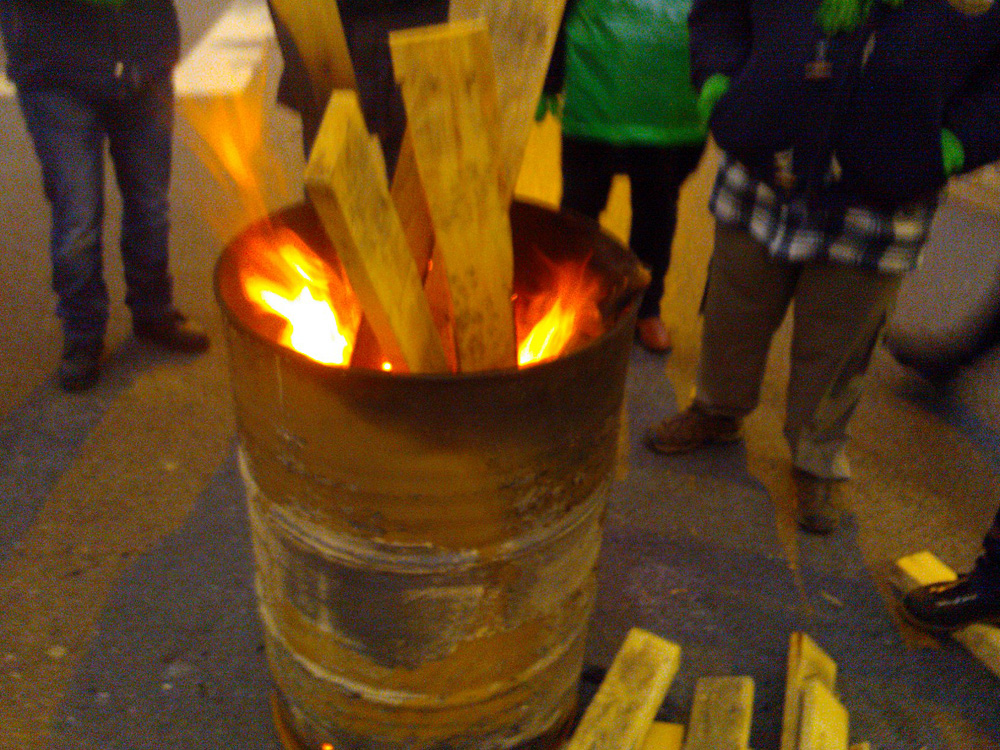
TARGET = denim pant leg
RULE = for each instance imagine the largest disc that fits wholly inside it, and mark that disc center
(69, 142)
(140, 133)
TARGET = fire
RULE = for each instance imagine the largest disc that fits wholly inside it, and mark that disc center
(564, 312)
(320, 314)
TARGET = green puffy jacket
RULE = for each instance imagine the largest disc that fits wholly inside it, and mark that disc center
(627, 74)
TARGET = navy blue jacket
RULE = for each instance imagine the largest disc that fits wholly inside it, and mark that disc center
(88, 47)
(893, 84)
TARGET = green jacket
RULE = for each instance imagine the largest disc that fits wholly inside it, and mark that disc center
(627, 73)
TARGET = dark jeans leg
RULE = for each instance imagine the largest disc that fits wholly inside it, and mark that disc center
(140, 129)
(366, 27)
(69, 143)
(587, 169)
(655, 178)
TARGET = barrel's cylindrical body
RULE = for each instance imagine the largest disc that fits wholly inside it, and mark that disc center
(426, 545)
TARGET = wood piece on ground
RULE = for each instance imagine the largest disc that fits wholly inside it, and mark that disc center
(319, 37)
(824, 721)
(923, 568)
(622, 711)
(721, 714)
(347, 184)
(522, 35)
(806, 661)
(861, 746)
(663, 735)
(446, 76)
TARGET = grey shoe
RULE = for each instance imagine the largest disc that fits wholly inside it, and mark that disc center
(80, 365)
(693, 428)
(817, 501)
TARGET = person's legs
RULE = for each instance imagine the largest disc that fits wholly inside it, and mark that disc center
(587, 169)
(140, 131)
(655, 177)
(746, 299)
(70, 145)
(839, 312)
(973, 597)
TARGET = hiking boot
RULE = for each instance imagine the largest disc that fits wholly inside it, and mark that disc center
(816, 500)
(80, 365)
(173, 332)
(692, 429)
(949, 605)
(653, 335)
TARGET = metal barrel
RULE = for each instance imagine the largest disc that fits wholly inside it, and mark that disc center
(426, 546)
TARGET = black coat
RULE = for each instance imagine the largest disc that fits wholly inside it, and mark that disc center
(893, 85)
(89, 47)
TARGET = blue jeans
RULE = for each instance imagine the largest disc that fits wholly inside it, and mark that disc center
(69, 130)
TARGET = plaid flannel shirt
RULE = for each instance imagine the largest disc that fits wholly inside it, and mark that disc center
(886, 242)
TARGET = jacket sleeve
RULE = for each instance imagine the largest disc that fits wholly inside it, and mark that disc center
(720, 38)
(974, 115)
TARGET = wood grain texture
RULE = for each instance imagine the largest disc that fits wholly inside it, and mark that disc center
(721, 714)
(347, 184)
(621, 713)
(446, 77)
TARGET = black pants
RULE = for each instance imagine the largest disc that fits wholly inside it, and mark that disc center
(367, 24)
(989, 561)
(655, 174)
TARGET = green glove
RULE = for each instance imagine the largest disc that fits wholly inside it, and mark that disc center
(952, 153)
(835, 16)
(548, 103)
(716, 85)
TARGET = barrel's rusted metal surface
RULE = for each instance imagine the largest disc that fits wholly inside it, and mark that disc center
(426, 545)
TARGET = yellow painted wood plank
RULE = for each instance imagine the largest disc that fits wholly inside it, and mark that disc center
(721, 714)
(861, 746)
(347, 184)
(923, 568)
(664, 736)
(319, 36)
(806, 661)
(622, 711)
(449, 89)
(522, 35)
(824, 721)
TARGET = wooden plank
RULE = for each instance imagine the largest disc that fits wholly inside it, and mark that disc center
(446, 76)
(347, 184)
(664, 736)
(622, 711)
(861, 746)
(319, 37)
(522, 35)
(806, 661)
(824, 721)
(721, 714)
(923, 568)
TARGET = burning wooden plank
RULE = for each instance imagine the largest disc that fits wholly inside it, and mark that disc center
(721, 714)
(347, 184)
(449, 89)
(923, 568)
(806, 661)
(522, 35)
(622, 711)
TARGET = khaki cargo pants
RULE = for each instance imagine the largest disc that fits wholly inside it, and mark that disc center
(838, 314)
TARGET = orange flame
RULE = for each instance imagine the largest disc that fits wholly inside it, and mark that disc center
(564, 312)
(285, 278)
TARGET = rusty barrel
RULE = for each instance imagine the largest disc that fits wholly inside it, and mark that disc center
(426, 546)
